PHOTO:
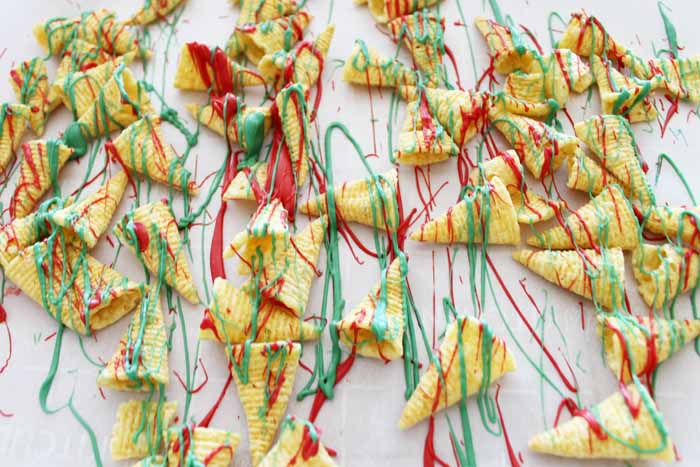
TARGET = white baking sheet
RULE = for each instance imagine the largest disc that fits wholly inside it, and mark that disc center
(360, 424)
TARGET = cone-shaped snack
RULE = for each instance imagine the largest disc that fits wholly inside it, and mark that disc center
(423, 35)
(585, 174)
(265, 237)
(293, 115)
(303, 64)
(260, 39)
(153, 11)
(384, 10)
(598, 276)
(541, 148)
(461, 113)
(90, 218)
(423, 140)
(677, 224)
(612, 141)
(200, 68)
(487, 208)
(120, 102)
(553, 76)
(506, 103)
(664, 271)
(79, 90)
(606, 221)
(142, 148)
(249, 183)
(264, 374)
(469, 345)
(375, 326)
(31, 85)
(530, 207)
(254, 12)
(507, 52)
(141, 359)
(197, 445)
(139, 427)
(586, 37)
(298, 446)
(626, 425)
(370, 201)
(73, 287)
(230, 315)
(151, 233)
(287, 280)
(621, 95)
(38, 172)
(366, 66)
(13, 122)
(679, 78)
(232, 118)
(635, 344)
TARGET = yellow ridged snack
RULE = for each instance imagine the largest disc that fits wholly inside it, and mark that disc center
(585, 36)
(141, 360)
(38, 172)
(55, 33)
(265, 237)
(506, 103)
(366, 66)
(247, 182)
(422, 35)
(254, 12)
(154, 461)
(611, 423)
(228, 318)
(153, 10)
(611, 139)
(302, 65)
(142, 148)
(553, 76)
(81, 89)
(370, 201)
(664, 271)
(679, 223)
(487, 207)
(422, 140)
(606, 221)
(386, 10)
(597, 276)
(31, 85)
(530, 207)
(507, 56)
(287, 280)
(585, 174)
(293, 114)
(100, 27)
(621, 95)
(264, 374)
(636, 344)
(298, 446)
(196, 445)
(541, 148)
(200, 68)
(74, 288)
(461, 113)
(138, 429)
(468, 343)
(81, 56)
(89, 218)
(120, 102)
(376, 314)
(240, 120)
(270, 36)
(13, 123)
(151, 233)
(679, 78)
